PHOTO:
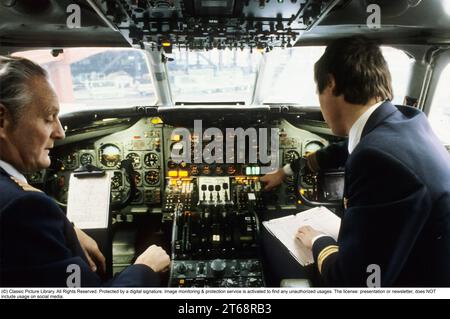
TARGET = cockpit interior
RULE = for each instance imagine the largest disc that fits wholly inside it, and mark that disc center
(186, 104)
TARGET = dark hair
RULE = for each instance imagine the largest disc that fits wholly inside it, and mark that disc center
(15, 76)
(359, 70)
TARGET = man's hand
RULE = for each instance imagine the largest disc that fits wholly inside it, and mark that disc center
(154, 257)
(306, 235)
(273, 179)
(93, 254)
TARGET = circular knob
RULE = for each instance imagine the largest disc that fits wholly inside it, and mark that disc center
(218, 267)
(181, 268)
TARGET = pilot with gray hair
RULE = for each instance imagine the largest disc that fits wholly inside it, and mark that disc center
(38, 243)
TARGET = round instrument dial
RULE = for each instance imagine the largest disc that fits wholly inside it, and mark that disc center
(290, 155)
(137, 179)
(70, 161)
(86, 159)
(135, 159)
(231, 170)
(194, 170)
(219, 170)
(151, 160)
(109, 155)
(312, 146)
(206, 170)
(151, 177)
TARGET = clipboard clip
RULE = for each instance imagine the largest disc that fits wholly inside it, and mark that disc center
(88, 171)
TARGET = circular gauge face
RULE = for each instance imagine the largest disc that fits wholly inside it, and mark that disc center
(206, 170)
(151, 160)
(231, 170)
(116, 180)
(151, 177)
(70, 161)
(194, 170)
(86, 159)
(135, 159)
(311, 147)
(137, 179)
(218, 170)
(290, 155)
(109, 155)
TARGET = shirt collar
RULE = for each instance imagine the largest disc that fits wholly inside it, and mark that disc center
(354, 136)
(12, 171)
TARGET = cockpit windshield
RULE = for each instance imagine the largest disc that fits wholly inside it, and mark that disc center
(96, 78)
(213, 76)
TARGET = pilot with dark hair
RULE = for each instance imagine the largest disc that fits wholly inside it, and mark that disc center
(397, 178)
(37, 242)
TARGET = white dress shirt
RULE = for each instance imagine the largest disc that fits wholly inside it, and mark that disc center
(354, 136)
(12, 171)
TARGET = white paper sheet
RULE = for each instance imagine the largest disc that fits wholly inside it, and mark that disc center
(88, 202)
(285, 229)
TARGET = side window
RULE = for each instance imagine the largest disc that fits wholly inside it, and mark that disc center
(440, 107)
(400, 65)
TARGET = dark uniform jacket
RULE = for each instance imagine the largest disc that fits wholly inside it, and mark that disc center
(397, 200)
(38, 243)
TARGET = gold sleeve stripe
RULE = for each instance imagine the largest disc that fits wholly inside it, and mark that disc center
(26, 187)
(311, 161)
(329, 250)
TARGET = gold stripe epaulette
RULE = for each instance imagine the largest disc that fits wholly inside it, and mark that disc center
(26, 187)
(327, 251)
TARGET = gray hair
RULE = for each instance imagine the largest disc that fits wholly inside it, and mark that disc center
(15, 76)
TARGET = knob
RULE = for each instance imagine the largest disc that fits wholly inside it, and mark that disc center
(218, 267)
(181, 268)
(201, 268)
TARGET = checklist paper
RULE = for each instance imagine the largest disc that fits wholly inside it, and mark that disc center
(285, 229)
(88, 202)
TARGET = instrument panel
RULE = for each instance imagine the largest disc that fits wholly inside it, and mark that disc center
(150, 144)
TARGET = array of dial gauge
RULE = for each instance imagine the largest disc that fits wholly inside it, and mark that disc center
(148, 178)
(110, 157)
(73, 160)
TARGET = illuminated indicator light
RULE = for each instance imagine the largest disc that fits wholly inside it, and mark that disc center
(166, 44)
(183, 173)
(216, 237)
(173, 174)
(156, 120)
(302, 191)
(182, 281)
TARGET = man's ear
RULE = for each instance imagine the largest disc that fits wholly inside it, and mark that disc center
(5, 120)
(331, 82)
